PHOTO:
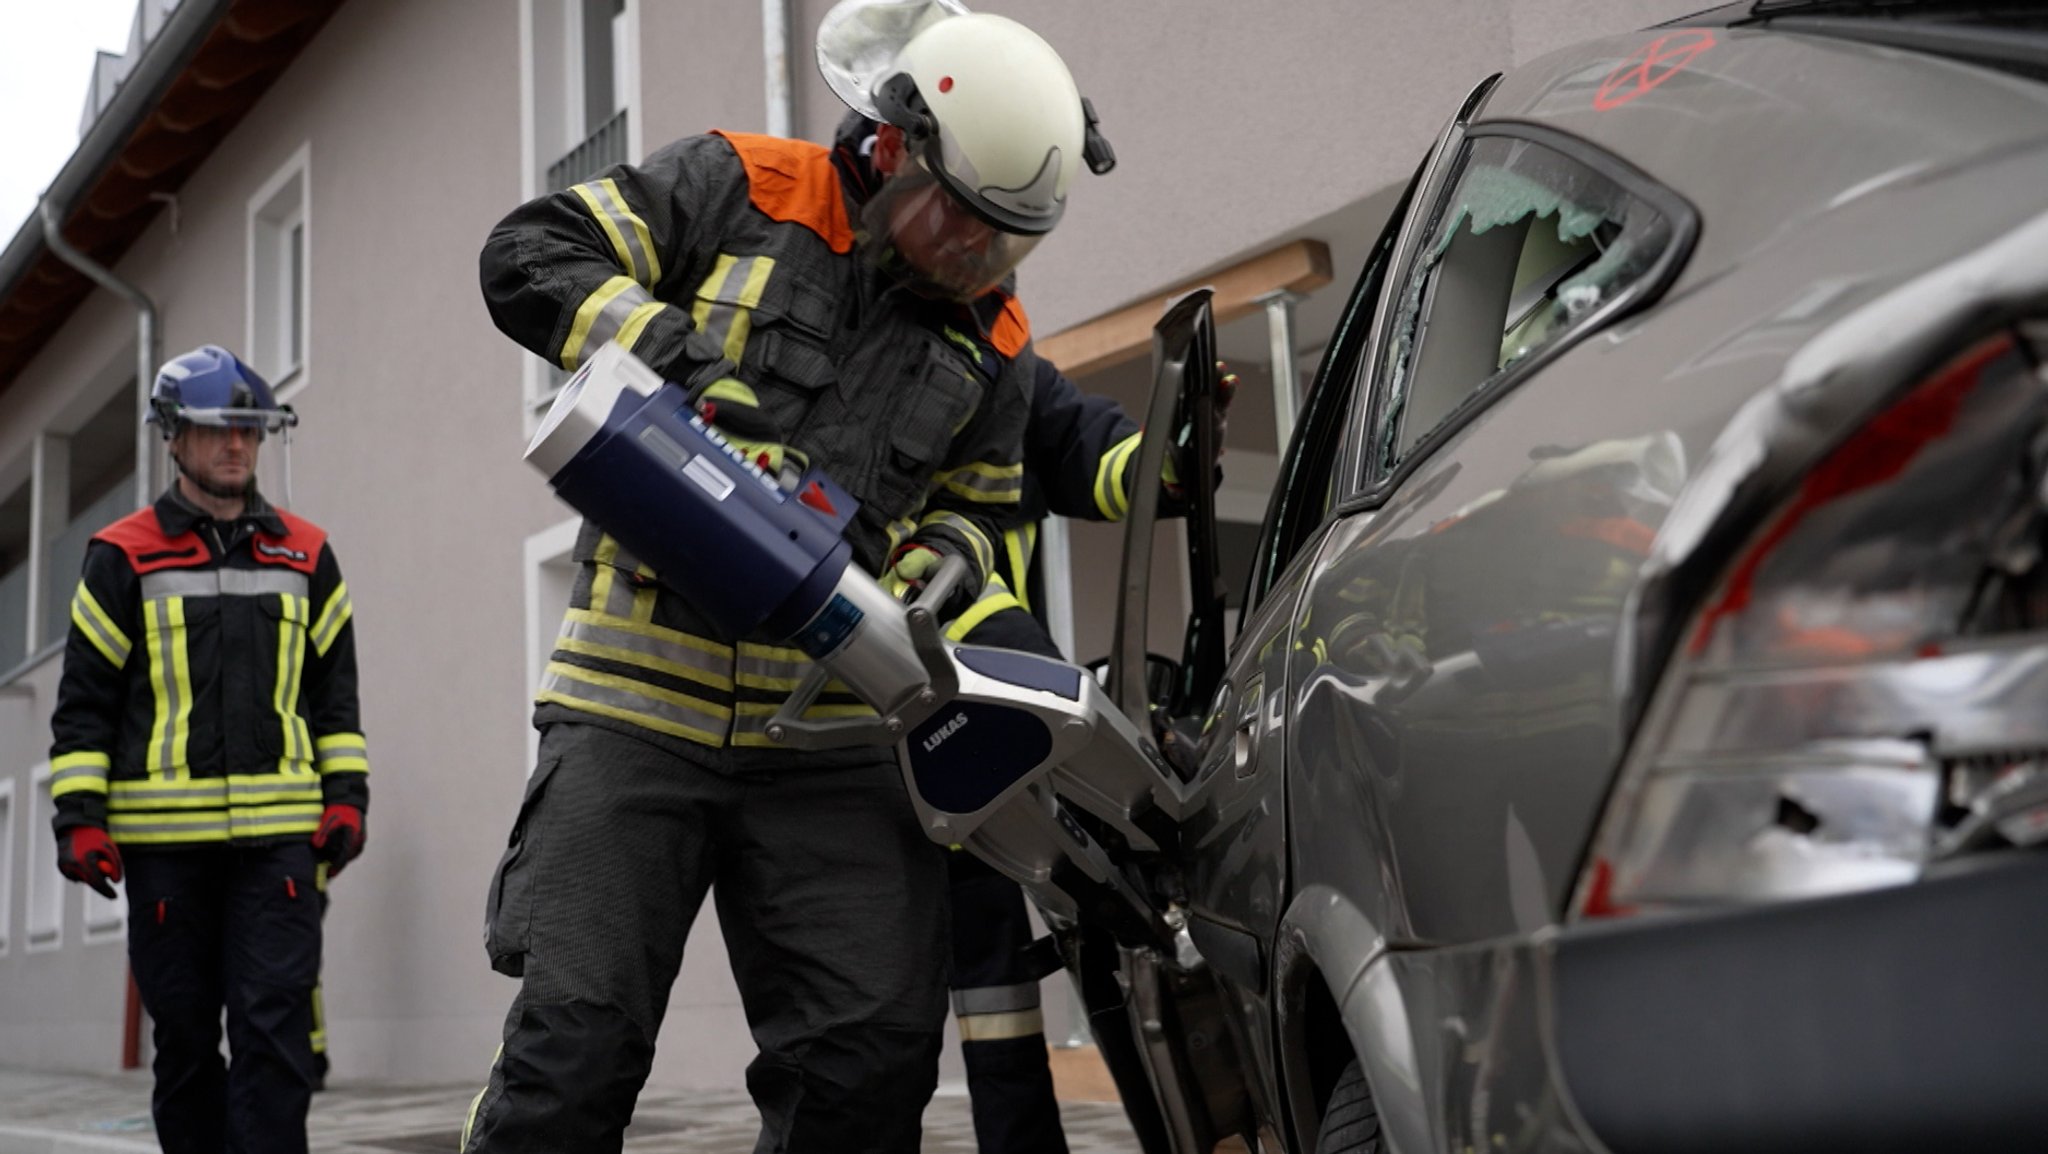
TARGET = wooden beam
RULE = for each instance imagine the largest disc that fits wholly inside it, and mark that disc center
(1299, 266)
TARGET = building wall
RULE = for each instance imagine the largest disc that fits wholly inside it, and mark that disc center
(1234, 128)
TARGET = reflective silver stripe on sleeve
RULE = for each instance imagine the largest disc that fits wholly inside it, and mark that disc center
(1001, 1027)
(995, 999)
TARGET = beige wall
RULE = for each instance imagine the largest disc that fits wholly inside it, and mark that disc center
(1236, 124)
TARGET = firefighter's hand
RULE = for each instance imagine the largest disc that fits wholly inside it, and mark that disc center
(86, 854)
(916, 563)
(340, 837)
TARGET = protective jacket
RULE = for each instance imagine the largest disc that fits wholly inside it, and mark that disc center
(209, 687)
(1080, 452)
(727, 263)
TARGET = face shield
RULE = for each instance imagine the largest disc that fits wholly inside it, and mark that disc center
(917, 231)
(227, 465)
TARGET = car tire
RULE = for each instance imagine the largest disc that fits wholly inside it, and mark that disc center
(1351, 1123)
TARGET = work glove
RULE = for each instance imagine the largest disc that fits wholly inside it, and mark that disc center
(339, 838)
(730, 406)
(1177, 464)
(86, 854)
(916, 563)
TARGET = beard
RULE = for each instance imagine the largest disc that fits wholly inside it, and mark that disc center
(213, 488)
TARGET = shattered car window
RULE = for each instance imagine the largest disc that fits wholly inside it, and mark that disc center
(1522, 255)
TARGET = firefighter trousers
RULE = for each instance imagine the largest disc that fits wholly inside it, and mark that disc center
(234, 928)
(994, 982)
(832, 905)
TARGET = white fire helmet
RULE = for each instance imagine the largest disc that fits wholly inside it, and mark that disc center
(995, 127)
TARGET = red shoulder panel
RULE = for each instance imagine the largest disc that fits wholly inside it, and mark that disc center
(299, 548)
(1012, 330)
(793, 181)
(142, 538)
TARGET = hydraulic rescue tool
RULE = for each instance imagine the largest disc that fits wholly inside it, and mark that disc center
(994, 744)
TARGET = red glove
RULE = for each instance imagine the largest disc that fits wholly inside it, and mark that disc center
(86, 854)
(339, 838)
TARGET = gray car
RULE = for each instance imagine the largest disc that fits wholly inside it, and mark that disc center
(1634, 736)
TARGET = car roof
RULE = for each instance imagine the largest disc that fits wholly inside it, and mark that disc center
(1760, 128)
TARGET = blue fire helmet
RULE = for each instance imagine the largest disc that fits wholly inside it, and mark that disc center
(211, 386)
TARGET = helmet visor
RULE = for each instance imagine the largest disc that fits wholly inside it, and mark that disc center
(264, 421)
(918, 231)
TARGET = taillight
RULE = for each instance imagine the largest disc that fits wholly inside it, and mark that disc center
(1843, 704)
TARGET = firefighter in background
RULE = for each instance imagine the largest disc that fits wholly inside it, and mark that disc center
(1080, 458)
(839, 307)
(207, 745)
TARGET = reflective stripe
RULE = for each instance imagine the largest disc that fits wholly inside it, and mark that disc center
(271, 820)
(675, 653)
(99, 628)
(1112, 495)
(998, 1027)
(216, 582)
(728, 389)
(628, 233)
(167, 828)
(341, 753)
(750, 726)
(82, 772)
(261, 789)
(291, 654)
(319, 1036)
(898, 531)
(995, 999)
(1020, 544)
(336, 614)
(995, 597)
(983, 482)
(170, 683)
(636, 323)
(661, 710)
(984, 549)
(200, 793)
(770, 667)
(727, 318)
(600, 317)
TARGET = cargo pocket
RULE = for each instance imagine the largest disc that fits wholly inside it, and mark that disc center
(508, 909)
(936, 401)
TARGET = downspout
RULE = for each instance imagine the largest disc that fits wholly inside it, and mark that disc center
(775, 67)
(148, 354)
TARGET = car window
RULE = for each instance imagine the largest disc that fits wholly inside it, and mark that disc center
(1529, 250)
(1308, 473)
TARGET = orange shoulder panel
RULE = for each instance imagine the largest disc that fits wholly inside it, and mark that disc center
(299, 548)
(793, 181)
(1012, 330)
(142, 538)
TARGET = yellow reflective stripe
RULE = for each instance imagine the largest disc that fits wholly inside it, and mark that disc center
(201, 793)
(279, 702)
(319, 1036)
(636, 322)
(99, 628)
(624, 656)
(341, 753)
(984, 549)
(999, 1027)
(1019, 544)
(707, 293)
(301, 746)
(297, 785)
(643, 602)
(611, 229)
(469, 1123)
(170, 682)
(333, 616)
(1112, 496)
(270, 820)
(897, 531)
(711, 710)
(979, 481)
(750, 296)
(640, 232)
(994, 599)
(167, 828)
(587, 314)
(84, 771)
(653, 632)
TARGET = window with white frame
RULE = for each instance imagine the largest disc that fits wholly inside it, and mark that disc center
(280, 245)
(6, 864)
(579, 84)
(45, 927)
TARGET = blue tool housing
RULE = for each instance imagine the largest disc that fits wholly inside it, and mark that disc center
(714, 528)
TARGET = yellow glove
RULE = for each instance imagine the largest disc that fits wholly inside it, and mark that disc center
(915, 564)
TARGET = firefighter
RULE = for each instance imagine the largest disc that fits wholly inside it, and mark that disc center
(1080, 456)
(207, 746)
(843, 307)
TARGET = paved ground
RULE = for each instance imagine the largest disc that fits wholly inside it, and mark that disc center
(80, 1114)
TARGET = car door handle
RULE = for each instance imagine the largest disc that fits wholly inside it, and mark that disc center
(1244, 744)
